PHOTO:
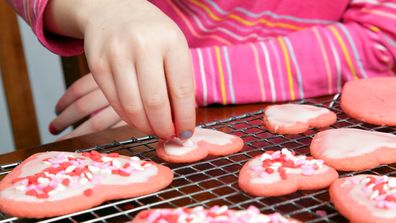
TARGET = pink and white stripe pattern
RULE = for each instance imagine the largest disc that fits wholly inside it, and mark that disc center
(256, 51)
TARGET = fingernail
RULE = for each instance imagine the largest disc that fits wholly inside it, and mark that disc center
(52, 129)
(185, 135)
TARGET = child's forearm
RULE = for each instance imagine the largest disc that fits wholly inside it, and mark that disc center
(67, 17)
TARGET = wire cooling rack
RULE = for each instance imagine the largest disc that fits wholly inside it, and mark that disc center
(213, 181)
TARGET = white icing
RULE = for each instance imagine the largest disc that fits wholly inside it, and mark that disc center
(178, 148)
(36, 165)
(290, 114)
(272, 178)
(348, 142)
(361, 197)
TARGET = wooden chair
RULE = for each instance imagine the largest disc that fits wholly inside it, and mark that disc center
(16, 80)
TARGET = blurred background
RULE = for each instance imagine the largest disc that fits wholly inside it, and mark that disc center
(47, 85)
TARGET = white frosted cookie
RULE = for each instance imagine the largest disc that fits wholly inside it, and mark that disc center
(351, 149)
(297, 118)
(204, 142)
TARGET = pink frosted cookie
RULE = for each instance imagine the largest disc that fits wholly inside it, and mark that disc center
(297, 118)
(351, 149)
(56, 183)
(204, 142)
(365, 198)
(215, 214)
(371, 100)
(282, 172)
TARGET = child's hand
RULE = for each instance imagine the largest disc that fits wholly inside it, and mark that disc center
(138, 57)
(82, 100)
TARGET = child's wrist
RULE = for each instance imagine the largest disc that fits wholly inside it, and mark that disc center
(67, 17)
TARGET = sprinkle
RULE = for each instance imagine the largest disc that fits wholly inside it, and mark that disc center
(116, 163)
(374, 194)
(31, 192)
(281, 161)
(379, 189)
(135, 158)
(42, 196)
(21, 187)
(93, 169)
(48, 189)
(123, 173)
(70, 169)
(43, 180)
(88, 192)
(83, 181)
(392, 182)
(88, 175)
(113, 155)
(107, 159)
(269, 170)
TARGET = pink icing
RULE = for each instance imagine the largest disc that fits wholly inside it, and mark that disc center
(214, 214)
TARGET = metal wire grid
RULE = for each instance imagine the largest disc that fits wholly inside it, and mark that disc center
(213, 181)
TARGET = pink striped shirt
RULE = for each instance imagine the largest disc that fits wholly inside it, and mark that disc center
(264, 51)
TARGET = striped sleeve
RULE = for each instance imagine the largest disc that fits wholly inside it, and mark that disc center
(307, 63)
(32, 11)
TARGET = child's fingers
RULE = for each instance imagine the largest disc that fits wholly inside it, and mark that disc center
(181, 88)
(104, 79)
(129, 95)
(78, 89)
(101, 121)
(119, 124)
(79, 109)
(153, 90)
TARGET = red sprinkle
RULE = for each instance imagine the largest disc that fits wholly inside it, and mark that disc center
(65, 165)
(47, 189)
(31, 192)
(171, 218)
(86, 154)
(289, 164)
(88, 192)
(266, 163)
(42, 196)
(32, 180)
(52, 170)
(379, 187)
(281, 170)
(283, 176)
(66, 182)
(126, 165)
(390, 198)
(113, 155)
(123, 173)
(372, 180)
(269, 170)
